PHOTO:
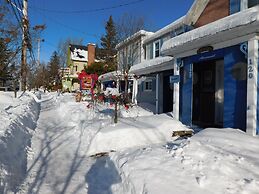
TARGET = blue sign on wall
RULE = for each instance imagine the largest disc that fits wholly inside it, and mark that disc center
(174, 79)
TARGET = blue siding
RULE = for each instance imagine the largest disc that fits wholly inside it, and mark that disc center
(235, 94)
(147, 96)
(235, 6)
(186, 93)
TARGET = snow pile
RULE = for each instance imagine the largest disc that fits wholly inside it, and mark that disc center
(134, 111)
(243, 18)
(114, 75)
(151, 66)
(35, 97)
(111, 91)
(212, 161)
(135, 132)
(18, 118)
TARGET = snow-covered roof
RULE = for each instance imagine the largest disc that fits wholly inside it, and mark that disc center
(110, 76)
(152, 66)
(134, 36)
(236, 25)
(165, 30)
(78, 52)
(195, 11)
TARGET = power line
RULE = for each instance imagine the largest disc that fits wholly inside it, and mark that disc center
(88, 11)
(19, 7)
(53, 20)
(18, 17)
(72, 28)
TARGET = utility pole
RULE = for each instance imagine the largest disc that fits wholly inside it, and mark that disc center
(38, 29)
(25, 23)
(39, 40)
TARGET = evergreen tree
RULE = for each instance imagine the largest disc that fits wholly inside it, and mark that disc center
(53, 69)
(40, 77)
(9, 43)
(4, 60)
(108, 42)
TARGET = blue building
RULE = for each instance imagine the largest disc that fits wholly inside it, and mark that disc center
(217, 62)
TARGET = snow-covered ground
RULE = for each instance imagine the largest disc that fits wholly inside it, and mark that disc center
(212, 161)
(132, 132)
(146, 158)
(57, 162)
(18, 118)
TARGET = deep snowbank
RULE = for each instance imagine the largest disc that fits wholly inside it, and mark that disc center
(18, 119)
(135, 132)
(212, 161)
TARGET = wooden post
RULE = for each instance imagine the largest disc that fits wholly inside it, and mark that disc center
(24, 44)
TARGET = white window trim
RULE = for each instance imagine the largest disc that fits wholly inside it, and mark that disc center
(243, 5)
(154, 48)
(147, 90)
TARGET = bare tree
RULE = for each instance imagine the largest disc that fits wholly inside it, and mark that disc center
(130, 53)
(128, 25)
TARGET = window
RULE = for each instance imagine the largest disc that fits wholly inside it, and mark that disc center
(156, 49)
(75, 68)
(252, 3)
(148, 85)
(179, 31)
(149, 51)
(239, 5)
(235, 6)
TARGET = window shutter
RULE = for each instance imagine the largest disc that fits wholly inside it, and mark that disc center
(151, 51)
(234, 6)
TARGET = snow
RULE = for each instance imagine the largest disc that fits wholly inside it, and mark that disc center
(212, 161)
(114, 75)
(79, 54)
(18, 120)
(135, 132)
(134, 36)
(195, 11)
(151, 66)
(12, 109)
(46, 97)
(48, 152)
(111, 91)
(136, 111)
(243, 18)
(167, 29)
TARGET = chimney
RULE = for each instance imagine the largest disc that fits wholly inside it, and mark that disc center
(91, 53)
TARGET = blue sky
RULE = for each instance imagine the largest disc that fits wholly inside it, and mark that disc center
(89, 26)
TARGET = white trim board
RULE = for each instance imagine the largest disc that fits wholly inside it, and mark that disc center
(221, 45)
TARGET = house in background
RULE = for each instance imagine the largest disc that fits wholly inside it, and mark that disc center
(79, 57)
(129, 53)
(217, 63)
(154, 71)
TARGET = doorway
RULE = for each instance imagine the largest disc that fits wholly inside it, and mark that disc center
(168, 92)
(208, 93)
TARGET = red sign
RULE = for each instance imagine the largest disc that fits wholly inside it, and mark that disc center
(86, 82)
